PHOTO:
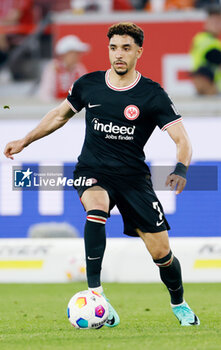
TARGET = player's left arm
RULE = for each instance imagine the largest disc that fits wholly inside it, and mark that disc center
(177, 179)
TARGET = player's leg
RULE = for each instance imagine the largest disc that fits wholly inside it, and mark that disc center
(170, 272)
(96, 203)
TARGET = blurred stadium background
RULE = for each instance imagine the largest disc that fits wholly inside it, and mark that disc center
(41, 231)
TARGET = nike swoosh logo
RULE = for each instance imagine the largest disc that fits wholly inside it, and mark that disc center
(92, 106)
(159, 223)
(196, 321)
(89, 258)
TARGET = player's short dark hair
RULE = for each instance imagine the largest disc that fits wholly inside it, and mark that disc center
(127, 28)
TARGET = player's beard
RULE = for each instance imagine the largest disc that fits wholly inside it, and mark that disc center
(121, 72)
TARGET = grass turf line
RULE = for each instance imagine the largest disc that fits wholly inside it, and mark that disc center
(33, 317)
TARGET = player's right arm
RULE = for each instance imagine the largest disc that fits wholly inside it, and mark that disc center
(52, 121)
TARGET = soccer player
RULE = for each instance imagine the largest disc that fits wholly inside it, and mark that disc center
(122, 110)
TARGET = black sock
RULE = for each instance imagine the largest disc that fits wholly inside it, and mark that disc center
(170, 273)
(95, 242)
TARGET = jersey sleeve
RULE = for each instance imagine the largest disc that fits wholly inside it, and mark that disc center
(165, 113)
(74, 98)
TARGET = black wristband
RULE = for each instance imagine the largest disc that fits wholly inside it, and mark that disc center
(180, 170)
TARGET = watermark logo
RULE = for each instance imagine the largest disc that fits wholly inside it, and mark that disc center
(60, 178)
(131, 112)
(49, 178)
(22, 178)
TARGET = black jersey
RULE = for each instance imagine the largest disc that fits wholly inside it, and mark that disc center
(119, 121)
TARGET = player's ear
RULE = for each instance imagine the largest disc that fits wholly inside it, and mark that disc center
(139, 52)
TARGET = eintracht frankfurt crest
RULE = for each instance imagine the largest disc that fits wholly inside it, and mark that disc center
(131, 112)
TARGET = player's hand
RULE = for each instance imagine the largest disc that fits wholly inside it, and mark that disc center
(13, 147)
(176, 182)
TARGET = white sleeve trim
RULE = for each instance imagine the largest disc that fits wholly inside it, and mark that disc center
(171, 123)
(72, 107)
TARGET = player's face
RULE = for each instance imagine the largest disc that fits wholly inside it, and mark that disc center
(123, 53)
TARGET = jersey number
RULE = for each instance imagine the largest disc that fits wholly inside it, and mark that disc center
(156, 206)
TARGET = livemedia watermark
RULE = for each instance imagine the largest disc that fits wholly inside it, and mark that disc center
(48, 178)
(61, 178)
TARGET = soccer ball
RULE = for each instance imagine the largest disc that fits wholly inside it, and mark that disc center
(87, 309)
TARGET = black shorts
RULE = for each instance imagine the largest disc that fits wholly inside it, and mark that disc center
(134, 197)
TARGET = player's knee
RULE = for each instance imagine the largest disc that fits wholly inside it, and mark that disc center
(160, 253)
(95, 200)
(98, 206)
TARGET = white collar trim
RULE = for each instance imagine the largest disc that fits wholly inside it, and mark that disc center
(121, 88)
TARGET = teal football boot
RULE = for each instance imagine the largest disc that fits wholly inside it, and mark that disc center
(185, 315)
(113, 318)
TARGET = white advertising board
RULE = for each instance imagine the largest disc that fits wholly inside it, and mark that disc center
(126, 260)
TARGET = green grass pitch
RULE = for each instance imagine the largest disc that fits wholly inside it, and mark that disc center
(33, 316)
